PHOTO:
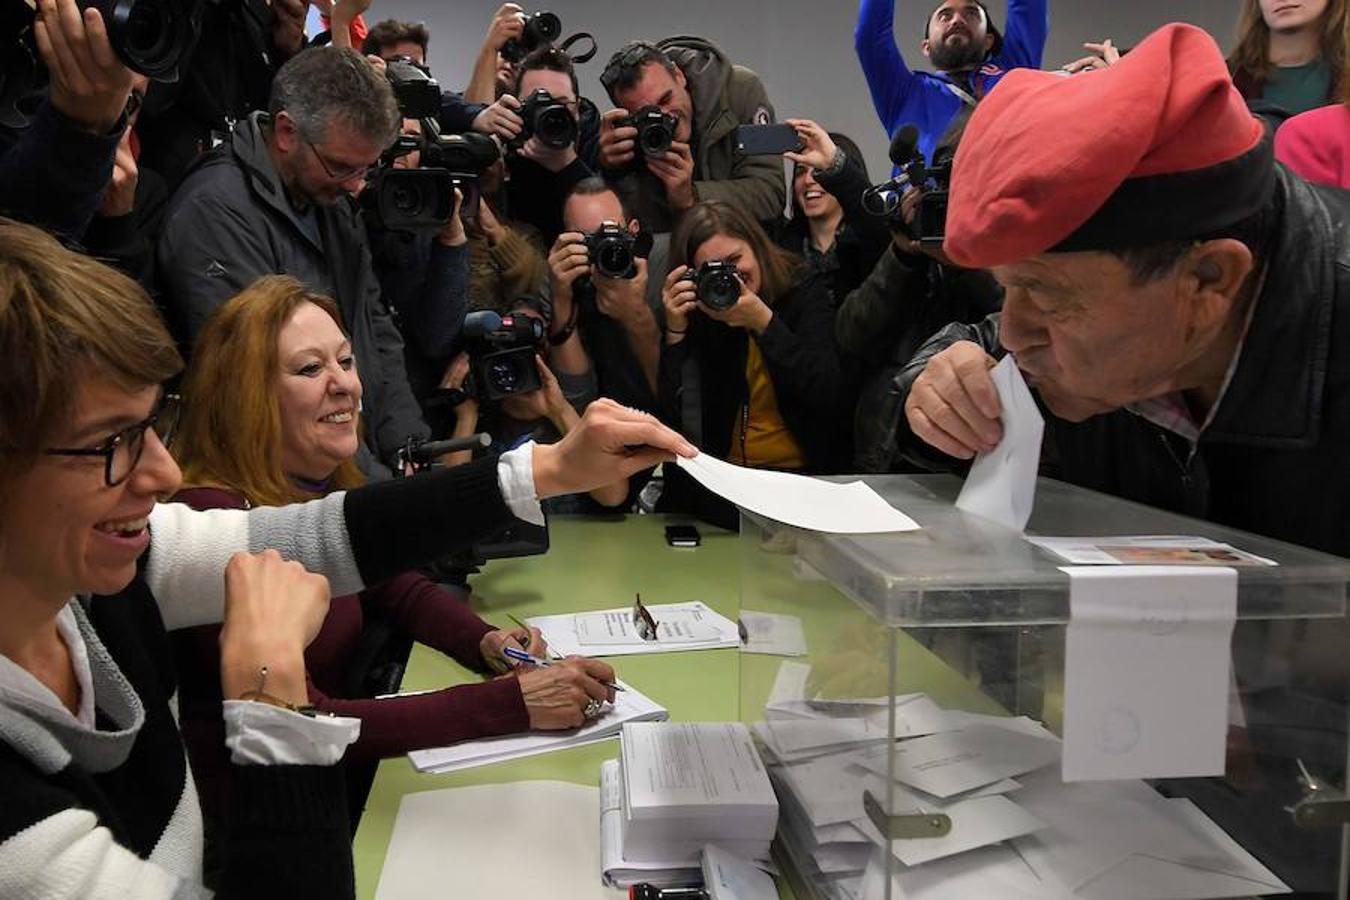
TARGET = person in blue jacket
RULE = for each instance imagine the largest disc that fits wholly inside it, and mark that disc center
(964, 46)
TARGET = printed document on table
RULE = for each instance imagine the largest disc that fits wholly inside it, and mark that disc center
(630, 705)
(1001, 484)
(674, 768)
(440, 848)
(618, 870)
(680, 626)
(955, 762)
(1147, 656)
(799, 500)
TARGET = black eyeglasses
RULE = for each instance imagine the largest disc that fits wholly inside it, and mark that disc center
(122, 451)
(343, 175)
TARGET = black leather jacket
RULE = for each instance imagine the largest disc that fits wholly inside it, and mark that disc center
(1273, 460)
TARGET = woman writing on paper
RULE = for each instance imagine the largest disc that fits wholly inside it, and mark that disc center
(272, 415)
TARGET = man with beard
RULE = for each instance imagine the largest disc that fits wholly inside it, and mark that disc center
(965, 47)
(278, 199)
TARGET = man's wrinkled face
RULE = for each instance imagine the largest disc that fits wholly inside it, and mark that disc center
(958, 36)
(659, 87)
(1089, 339)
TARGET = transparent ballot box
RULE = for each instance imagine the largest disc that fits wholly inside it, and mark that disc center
(907, 693)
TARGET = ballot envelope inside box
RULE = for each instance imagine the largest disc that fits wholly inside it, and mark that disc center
(975, 715)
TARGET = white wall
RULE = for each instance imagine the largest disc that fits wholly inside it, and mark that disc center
(802, 50)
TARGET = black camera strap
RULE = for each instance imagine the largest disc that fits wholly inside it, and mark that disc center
(580, 58)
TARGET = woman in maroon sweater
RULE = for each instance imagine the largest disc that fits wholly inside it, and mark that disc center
(272, 403)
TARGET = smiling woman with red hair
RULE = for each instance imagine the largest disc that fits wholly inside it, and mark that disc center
(276, 420)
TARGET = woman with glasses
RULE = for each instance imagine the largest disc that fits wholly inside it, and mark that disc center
(749, 360)
(272, 417)
(99, 799)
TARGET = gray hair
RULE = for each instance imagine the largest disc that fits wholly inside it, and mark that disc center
(325, 85)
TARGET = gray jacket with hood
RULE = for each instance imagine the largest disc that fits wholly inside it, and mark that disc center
(724, 96)
(231, 223)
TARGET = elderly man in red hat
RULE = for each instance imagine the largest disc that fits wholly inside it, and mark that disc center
(1178, 301)
(1180, 305)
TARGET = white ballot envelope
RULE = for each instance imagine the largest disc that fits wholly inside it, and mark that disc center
(1001, 484)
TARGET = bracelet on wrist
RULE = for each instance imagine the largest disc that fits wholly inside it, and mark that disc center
(258, 695)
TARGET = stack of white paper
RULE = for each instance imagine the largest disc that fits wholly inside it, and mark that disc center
(618, 870)
(689, 784)
(630, 705)
(610, 632)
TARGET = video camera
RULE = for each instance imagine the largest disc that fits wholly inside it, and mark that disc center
(547, 119)
(541, 29)
(417, 93)
(424, 197)
(150, 36)
(656, 129)
(717, 284)
(884, 200)
(501, 352)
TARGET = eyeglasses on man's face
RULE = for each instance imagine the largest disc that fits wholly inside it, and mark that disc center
(339, 175)
(122, 450)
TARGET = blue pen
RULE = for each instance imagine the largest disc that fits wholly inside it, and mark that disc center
(522, 657)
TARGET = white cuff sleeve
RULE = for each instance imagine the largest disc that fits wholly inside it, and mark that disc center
(259, 734)
(515, 475)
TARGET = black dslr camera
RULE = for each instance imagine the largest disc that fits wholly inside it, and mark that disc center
(717, 284)
(541, 29)
(884, 200)
(417, 93)
(150, 36)
(424, 198)
(547, 119)
(655, 129)
(501, 352)
(612, 249)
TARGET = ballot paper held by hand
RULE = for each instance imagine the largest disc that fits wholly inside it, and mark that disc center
(1002, 483)
(799, 500)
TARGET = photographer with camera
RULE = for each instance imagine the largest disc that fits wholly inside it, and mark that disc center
(278, 200)
(912, 292)
(494, 74)
(505, 385)
(671, 93)
(54, 167)
(962, 43)
(542, 156)
(749, 367)
(829, 227)
(605, 282)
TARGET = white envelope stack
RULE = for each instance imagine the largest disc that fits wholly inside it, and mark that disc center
(1018, 832)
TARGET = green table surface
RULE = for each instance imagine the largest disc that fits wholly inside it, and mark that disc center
(591, 564)
(599, 564)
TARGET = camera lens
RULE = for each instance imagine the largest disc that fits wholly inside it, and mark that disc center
(405, 198)
(547, 26)
(655, 139)
(881, 202)
(149, 35)
(719, 289)
(555, 127)
(613, 258)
